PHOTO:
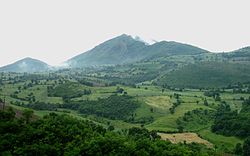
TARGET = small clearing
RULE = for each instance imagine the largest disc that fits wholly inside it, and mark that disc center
(182, 137)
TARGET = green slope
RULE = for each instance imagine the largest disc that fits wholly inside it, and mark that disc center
(207, 74)
(164, 49)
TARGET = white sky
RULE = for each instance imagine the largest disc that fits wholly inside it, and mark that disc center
(56, 30)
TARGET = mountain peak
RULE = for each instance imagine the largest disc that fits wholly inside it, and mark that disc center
(26, 65)
(127, 49)
(28, 58)
(118, 50)
(123, 37)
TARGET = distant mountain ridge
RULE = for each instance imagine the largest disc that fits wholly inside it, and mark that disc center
(26, 65)
(126, 49)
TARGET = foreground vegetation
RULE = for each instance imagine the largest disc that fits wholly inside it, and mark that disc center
(63, 135)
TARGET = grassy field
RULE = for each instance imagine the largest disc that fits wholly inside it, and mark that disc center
(161, 102)
(222, 143)
(168, 121)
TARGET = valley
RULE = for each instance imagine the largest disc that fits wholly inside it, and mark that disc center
(152, 107)
(180, 94)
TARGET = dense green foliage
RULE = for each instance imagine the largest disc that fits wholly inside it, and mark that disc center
(246, 147)
(63, 135)
(229, 122)
(113, 107)
(196, 119)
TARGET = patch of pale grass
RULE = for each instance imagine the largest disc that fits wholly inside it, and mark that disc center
(184, 137)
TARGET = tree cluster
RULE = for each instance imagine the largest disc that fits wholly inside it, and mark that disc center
(63, 135)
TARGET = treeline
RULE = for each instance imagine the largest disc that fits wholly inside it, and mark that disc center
(232, 123)
(63, 135)
(85, 82)
(113, 107)
(213, 93)
(175, 104)
(127, 78)
(43, 106)
(195, 119)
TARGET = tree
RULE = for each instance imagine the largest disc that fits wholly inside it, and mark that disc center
(180, 129)
(27, 114)
(151, 109)
(111, 128)
(171, 110)
(246, 147)
(217, 98)
(8, 114)
(119, 90)
(238, 149)
(205, 102)
(154, 135)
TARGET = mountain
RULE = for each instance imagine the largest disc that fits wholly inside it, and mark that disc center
(126, 49)
(26, 65)
(119, 50)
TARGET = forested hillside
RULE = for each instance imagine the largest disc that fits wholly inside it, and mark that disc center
(63, 135)
(207, 75)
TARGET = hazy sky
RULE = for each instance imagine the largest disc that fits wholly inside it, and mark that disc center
(56, 30)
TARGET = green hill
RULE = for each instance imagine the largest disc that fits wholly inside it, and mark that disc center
(164, 49)
(241, 55)
(207, 74)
